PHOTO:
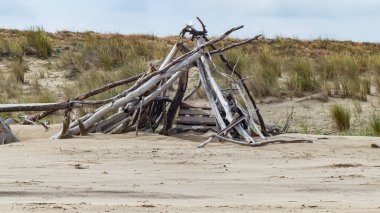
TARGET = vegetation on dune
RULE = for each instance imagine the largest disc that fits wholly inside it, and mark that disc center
(341, 116)
(18, 69)
(374, 122)
(39, 39)
(301, 76)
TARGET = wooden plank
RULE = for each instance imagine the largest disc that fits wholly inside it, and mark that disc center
(197, 128)
(193, 104)
(195, 112)
(196, 120)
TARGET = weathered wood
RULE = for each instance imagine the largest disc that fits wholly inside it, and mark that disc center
(191, 93)
(104, 124)
(90, 94)
(222, 101)
(118, 127)
(176, 102)
(82, 129)
(65, 126)
(229, 127)
(33, 107)
(195, 112)
(238, 74)
(210, 95)
(186, 128)
(195, 104)
(136, 93)
(6, 135)
(138, 118)
(196, 120)
(249, 111)
(268, 141)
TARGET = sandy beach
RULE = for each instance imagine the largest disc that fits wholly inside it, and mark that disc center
(153, 173)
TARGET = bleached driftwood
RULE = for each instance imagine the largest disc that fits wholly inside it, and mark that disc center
(242, 95)
(65, 126)
(193, 90)
(221, 132)
(210, 95)
(6, 135)
(133, 94)
(221, 99)
(90, 94)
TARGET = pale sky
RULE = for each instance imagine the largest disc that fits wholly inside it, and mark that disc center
(356, 20)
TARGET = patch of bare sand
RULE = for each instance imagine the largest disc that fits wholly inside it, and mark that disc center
(153, 173)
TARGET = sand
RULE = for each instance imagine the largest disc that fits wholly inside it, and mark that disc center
(153, 173)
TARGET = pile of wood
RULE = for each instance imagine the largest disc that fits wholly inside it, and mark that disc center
(149, 106)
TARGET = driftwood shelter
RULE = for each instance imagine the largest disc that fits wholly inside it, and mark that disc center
(147, 105)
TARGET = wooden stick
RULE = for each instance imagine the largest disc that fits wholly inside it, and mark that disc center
(138, 118)
(210, 96)
(195, 88)
(176, 102)
(6, 135)
(281, 141)
(90, 94)
(229, 127)
(118, 126)
(33, 107)
(66, 126)
(82, 129)
(249, 111)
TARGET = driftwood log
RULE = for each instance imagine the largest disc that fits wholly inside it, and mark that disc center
(6, 135)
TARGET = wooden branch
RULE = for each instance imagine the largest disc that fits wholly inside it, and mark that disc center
(249, 111)
(229, 127)
(210, 95)
(66, 126)
(82, 129)
(269, 141)
(90, 94)
(138, 118)
(177, 99)
(221, 50)
(119, 127)
(176, 102)
(33, 107)
(191, 93)
(6, 135)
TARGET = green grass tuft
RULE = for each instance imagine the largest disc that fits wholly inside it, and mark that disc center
(341, 116)
(39, 39)
(301, 77)
(18, 68)
(374, 122)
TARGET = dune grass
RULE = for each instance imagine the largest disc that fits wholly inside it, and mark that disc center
(18, 69)
(374, 123)
(39, 39)
(341, 116)
(301, 77)
(262, 68)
